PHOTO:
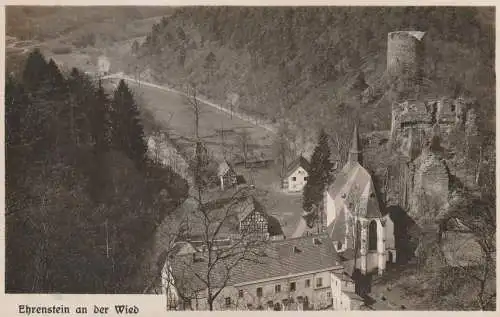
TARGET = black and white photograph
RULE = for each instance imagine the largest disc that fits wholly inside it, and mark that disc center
(253, 158)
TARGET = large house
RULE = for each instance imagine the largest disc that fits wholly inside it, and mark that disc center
(226, 219)
(356, 221)
(296, 175)
(292, 274)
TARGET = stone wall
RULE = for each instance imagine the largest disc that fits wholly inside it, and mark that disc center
(430, 187)
(405, 52)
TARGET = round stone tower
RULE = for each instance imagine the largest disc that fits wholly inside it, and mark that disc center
(405, 53)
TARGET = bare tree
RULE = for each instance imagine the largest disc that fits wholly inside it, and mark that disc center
(244, 140)
(282, 149)
(478, 218)
(205, 274)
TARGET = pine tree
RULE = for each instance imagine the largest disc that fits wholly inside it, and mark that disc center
(127, 130)
(35, 69)
(319, 175)
(82, 92)
(100, 135)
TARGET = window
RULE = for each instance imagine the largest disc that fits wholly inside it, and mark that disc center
(305, 178)
(228, 301)
(240, 293)
(277, 288)
(294, 178)
(372, 236)
(308, 283)
(329, 294)
(259, 291)
(292, 287)
(319, 282)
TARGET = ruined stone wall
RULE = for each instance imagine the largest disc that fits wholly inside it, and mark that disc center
(415, 122)
(430, 187)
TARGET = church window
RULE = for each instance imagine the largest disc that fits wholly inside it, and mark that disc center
(308, 283)
(358, 234)
(372, 232)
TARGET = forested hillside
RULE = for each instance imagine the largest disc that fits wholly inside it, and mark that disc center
(82, 198)
(26, 23)
(311, 65)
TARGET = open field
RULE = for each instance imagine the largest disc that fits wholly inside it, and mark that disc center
(176, 115)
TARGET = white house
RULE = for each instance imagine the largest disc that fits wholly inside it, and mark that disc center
(296, 176)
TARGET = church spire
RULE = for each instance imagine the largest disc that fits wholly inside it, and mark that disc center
(355, 151)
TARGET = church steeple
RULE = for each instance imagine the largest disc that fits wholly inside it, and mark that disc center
(355, 151)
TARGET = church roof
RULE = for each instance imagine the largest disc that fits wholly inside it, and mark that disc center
(354, 188)
(337, 229)
(355, 141)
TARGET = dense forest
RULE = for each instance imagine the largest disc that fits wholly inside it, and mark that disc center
(312, 65)
(82, 198)
(25, 22)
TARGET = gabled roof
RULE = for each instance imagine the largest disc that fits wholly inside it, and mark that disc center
(273, 260)
(298, 162)
(248, 206)
(354, 188)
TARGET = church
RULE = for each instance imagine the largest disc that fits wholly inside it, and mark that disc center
(356, 222)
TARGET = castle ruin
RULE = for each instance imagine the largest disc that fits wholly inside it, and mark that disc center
(424, 133)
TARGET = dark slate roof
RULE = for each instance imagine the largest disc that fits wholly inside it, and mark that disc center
(247, 207)
(300, 161)
(275, 259)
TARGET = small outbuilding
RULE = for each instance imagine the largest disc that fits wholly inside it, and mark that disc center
(227, 175)
(296, 176)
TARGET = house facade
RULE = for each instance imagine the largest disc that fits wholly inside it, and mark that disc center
(297, 276)
(296, 176)
(343, 292)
